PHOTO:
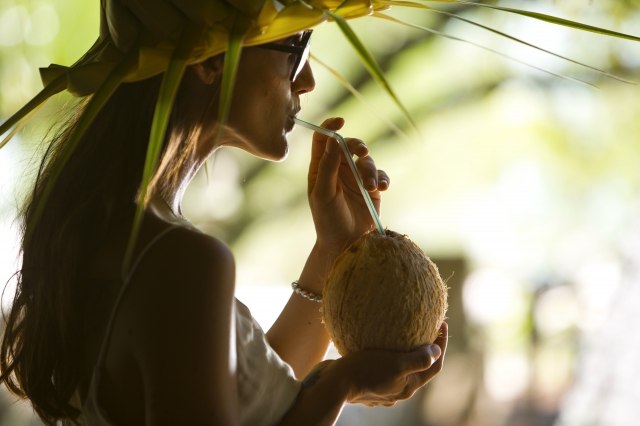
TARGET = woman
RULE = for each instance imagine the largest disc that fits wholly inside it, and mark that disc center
(176, 348)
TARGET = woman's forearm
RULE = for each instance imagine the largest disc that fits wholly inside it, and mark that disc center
(323, 394)
(298, 335)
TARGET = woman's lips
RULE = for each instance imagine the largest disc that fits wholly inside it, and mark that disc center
(290, 123)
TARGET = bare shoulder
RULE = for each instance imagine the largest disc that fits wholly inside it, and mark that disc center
(188, 259)
(180, 322)
(186, 273)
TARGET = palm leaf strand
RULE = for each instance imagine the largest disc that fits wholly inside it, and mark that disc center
(370, 63)
(358, 95)
(389, 18)
(500, 33)
(168, 88)
(230, 68)
(51, 89)
(93, 108)
(547, 18)
(19, 126)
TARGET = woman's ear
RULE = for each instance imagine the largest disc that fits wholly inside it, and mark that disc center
(209, 69)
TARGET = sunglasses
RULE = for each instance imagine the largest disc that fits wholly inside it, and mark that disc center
(300, 50)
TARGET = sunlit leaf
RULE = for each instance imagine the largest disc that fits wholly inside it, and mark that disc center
(94, 106)
(19, 126)
(422, 6)
(51, 89)
(389, 18)
(547, 18)
(358, 95)
(230, 68)
(168, 88)
(370, 63)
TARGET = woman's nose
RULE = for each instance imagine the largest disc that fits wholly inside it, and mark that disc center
(304, 82)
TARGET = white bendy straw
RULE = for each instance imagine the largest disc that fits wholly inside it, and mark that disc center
(347, 154)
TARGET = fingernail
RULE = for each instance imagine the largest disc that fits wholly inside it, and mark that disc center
(371, 182)
(434, 351)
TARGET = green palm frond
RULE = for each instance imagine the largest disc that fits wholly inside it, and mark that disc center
(24, 113)
(230, 68)
(93, 108)
(546, 18)
(438, 33)
(358, 95)
(168, 88)
(19, 126)
(500, 33)
(370, 63)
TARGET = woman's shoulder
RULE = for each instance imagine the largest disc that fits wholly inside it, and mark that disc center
(186, 256)
(185, 280)
(190, 244)
(177, 321)
(177, 267)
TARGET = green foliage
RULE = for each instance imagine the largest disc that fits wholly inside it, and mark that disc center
(93, 108)
(370, 63)
(554, 20)
(168, 89)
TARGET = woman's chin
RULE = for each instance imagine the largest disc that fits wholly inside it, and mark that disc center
(281, 155)
(276, 152)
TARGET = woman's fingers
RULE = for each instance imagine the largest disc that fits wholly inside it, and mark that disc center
(357, 147)
(420, 360)
(368, 172)
(365, 164)
(441, 342)
(328, 167)
(405, 372)
(319, 140)
(383, 180)
(422, 377)
(318, 150)
(372, 178)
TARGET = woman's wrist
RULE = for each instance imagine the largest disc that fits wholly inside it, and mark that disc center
(317, 269)
(323, 394)
(332, 376)
(329, 250)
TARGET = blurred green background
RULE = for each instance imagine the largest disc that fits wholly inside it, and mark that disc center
(524, 186)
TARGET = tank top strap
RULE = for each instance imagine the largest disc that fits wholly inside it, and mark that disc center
(125, 283)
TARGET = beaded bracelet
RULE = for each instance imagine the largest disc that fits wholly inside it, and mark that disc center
(305, 294)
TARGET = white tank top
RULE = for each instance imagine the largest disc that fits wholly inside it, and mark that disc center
(267, 386)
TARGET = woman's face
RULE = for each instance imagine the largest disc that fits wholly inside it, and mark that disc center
(265, 101)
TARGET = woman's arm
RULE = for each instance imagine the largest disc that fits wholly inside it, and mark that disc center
(340, 216)
(372, 378)
(182, 331)
(298, 335)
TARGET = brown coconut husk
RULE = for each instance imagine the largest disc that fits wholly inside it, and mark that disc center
(383, 293)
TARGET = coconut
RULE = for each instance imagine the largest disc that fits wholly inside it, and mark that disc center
(383, 293)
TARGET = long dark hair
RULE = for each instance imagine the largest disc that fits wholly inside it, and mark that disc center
(44, 339)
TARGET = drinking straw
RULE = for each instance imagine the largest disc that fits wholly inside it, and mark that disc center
(352, 164)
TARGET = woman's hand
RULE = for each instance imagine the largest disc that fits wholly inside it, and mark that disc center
(339, 211)
(384, 378)
(375, 377)
(366, 377)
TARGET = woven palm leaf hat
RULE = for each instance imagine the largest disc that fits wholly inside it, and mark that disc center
(142, 38)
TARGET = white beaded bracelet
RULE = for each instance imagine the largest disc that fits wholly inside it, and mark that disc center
(305, 294)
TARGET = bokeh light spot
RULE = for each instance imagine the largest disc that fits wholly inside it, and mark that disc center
(44, 26)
